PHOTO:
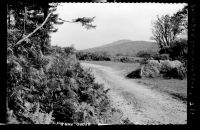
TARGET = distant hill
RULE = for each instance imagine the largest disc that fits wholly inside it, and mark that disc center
(124, 47)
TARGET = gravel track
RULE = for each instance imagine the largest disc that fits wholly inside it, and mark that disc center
(138, 103)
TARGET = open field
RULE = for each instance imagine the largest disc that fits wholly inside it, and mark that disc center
(176, 88)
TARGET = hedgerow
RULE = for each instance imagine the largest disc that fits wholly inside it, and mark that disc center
(46, 84)
(64, 92)
(96, 56)
(160, 68)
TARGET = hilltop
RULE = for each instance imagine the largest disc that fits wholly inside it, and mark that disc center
(124, 47)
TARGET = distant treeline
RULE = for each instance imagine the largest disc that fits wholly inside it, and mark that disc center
(104, 56)
(96, 56)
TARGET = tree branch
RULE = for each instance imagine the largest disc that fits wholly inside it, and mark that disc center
(19, 42)
(66, 20)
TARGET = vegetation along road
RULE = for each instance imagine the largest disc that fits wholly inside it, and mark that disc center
(138, 103)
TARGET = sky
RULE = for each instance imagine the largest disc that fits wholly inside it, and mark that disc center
(114, 21)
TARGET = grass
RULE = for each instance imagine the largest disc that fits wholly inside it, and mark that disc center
(174, 87)
(125, 47)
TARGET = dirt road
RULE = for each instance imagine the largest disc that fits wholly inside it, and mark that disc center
(138, 103)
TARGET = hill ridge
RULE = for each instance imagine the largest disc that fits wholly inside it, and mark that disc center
(124, 47)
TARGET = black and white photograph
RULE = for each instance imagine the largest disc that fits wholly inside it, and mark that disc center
(97, 63)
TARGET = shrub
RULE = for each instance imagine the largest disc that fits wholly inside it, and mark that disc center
(96, 56)
(149, 71)
(38, 117)
(161, 57)
(176, 73)
(145, 53)
(173, 69)
(149, 68)
(165, 66)
(177, 51)
(60, 89)
(164, 57)
(127, 59)
(154, 63)
(69, 50)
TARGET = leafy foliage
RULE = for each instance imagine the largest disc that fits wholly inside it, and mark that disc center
(178, 51)
(60, 91)
(103, 56)
(145, 54)
(167, 29)
(127, 59)
(164, 56)
(162, 68)
(46, 84)
(96, 56)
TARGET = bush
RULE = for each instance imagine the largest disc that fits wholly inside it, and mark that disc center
(173, 69)
(96, 56)
(154, 63)
(127, 59)
(145, 54)
(61, 89)
(69, 50)
(161, 57)
(149, 68)
(176, 73)
(149, 71)
(164, 68)
(177, 51)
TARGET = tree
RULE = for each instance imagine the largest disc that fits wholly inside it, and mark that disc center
(33, 22)
(85, 21)
(166, 29)
(183, 16)
(28, 82)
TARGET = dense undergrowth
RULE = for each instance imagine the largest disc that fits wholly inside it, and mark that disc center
(52, 88)
(46, 84)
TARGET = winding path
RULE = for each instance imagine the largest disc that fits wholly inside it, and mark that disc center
(138, 103)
